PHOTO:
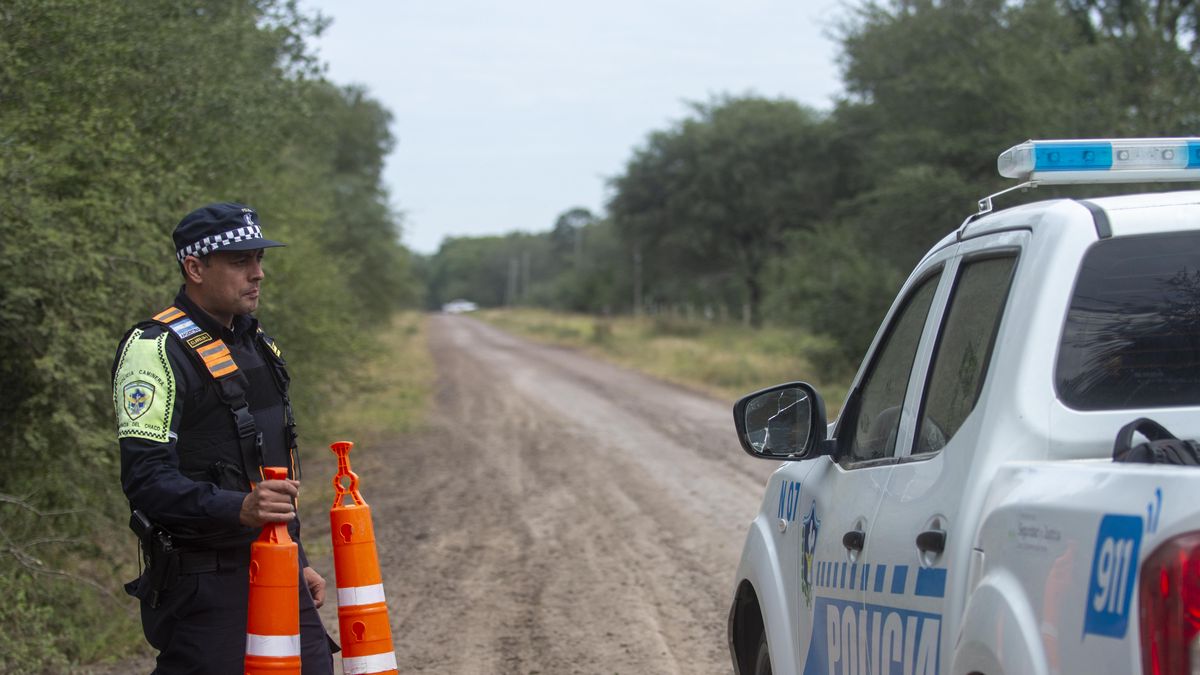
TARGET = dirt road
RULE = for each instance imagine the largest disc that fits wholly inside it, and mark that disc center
(559, 515)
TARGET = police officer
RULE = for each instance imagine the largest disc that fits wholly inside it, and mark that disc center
(201, 396)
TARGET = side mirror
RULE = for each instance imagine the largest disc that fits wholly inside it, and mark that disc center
(784, 422)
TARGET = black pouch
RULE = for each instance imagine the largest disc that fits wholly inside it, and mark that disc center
(1161, 448)
(228, 476)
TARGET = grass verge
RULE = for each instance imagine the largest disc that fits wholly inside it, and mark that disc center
(390, 390)
(387, 395)
(722, 359)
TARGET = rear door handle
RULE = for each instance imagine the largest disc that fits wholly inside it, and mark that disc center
(932, 541)
(854, 540)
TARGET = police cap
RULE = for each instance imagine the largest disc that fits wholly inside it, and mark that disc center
(224, 226)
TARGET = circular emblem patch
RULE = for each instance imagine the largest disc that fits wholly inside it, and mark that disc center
(138, 397)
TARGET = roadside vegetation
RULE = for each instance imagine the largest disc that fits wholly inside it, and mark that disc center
(388, 391)
(117, 119)
(720, 359)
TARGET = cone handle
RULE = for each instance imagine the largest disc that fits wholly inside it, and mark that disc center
(342, 450)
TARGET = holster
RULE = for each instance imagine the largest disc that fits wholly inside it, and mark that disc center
(160, 559)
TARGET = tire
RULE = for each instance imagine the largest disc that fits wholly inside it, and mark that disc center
(762, 656)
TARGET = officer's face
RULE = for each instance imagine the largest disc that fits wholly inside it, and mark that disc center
(229, 284)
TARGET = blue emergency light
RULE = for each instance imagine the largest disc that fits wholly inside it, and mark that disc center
(1132, 160)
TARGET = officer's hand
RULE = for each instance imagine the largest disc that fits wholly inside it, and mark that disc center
(271, 501)
(316, 586)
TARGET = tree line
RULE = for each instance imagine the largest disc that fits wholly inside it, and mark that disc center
(766, 210)
(116, 119)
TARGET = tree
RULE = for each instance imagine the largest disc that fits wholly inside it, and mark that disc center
(714, 195)
(349, 139)
(567, 235)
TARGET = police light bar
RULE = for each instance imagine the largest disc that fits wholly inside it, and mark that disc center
(1132, 160)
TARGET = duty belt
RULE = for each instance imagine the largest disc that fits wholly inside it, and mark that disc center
(214, 560)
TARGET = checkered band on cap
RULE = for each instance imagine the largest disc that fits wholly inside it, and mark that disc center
(212, 243)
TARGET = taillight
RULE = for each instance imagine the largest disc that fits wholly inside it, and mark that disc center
(1169, 591)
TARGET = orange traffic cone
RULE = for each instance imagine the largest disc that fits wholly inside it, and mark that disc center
(273, 616)
(362, 609)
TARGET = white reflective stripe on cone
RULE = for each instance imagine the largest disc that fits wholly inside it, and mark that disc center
(375, 663)
(272, 645)
(360, 595)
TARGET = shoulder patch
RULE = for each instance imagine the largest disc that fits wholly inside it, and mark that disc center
(184, 327)
(198, 340)
(270, 343)
(144, 389)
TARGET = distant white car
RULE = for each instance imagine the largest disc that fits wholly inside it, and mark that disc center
(459, 306)
(964, 515)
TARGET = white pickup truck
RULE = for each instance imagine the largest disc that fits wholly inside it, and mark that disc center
(964, 513)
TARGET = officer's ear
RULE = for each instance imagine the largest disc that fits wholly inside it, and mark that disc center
(192, 268)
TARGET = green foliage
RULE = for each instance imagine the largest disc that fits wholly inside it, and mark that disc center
(490, 271)
(349, 142)
(830, 283)
(25, 620)
(64, 599)
(580, 265)
(106, 141)
(593, 277)
(710, 199)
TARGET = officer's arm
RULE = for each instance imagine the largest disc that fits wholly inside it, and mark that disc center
(150, 384)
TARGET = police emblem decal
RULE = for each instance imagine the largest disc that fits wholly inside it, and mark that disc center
(249, 219)
(808, 545)
(138, 397)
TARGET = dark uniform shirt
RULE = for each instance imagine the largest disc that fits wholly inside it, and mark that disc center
(173, 424)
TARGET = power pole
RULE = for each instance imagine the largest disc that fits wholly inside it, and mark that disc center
(510, 292)
(637, 280)
(524, 275)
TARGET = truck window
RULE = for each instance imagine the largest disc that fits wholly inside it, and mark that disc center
(876, 415)
(964, 349)
(1132, 334)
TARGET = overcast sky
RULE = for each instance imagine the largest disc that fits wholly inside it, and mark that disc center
(508, 113)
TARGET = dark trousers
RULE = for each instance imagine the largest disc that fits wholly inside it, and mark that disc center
(199, 627)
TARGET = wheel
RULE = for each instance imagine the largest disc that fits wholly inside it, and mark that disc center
(762, 657)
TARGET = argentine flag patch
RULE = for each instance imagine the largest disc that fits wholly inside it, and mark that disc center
(185, 328)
